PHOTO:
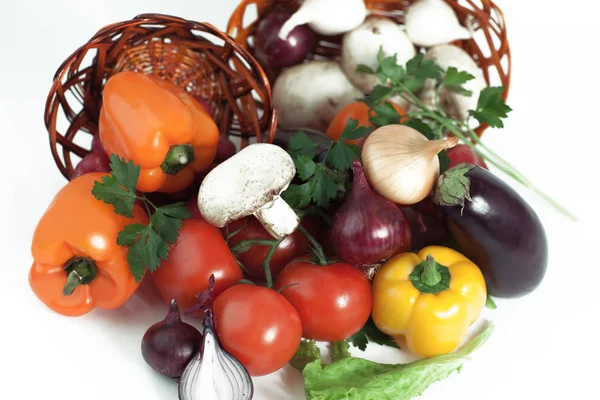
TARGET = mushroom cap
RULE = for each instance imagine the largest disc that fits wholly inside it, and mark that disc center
(244, 183)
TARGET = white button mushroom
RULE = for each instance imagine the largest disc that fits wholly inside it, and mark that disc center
(455, 104)
(362, 45)
(310, 95)
(250, 183)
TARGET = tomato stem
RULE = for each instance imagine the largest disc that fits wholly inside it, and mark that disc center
(267, 263)
(316, 247)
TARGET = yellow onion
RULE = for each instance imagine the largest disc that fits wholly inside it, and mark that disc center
(401, 164)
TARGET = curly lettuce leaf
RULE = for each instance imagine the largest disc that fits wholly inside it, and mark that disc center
(354, 378)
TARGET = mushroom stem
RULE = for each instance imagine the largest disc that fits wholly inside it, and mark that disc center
(278, 218)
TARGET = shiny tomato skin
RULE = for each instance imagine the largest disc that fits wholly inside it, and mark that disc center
(462, 153)
(199, 252)
(334, 301)
(258, 327)
(292, 246)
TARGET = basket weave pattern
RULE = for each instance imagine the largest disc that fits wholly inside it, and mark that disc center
(489, 47)
(195, 56)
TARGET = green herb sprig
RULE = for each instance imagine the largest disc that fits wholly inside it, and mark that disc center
(407, 81)
(325, 180)
(147, 244)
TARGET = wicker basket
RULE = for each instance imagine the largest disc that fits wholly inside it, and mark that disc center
(489, 46)
(195, 56)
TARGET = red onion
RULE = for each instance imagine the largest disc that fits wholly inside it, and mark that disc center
(276, 52)
(169, 345)
(368, 229)
(93, 162)
(225, 149)
(97, 146)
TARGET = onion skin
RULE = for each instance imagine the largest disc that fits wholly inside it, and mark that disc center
(276, 52)
(367, 228)
(92, 162)
(499, 232)
(169, 345)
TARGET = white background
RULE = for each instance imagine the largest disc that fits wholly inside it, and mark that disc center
(544, 345)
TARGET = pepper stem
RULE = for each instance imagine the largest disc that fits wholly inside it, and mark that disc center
(177, 158)
(430, 275)
(80, 271)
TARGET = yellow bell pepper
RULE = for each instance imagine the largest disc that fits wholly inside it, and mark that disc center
(430, 298)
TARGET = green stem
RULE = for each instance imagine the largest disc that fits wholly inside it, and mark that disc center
(430, 275)
(80, 271)
(178, 158)
(493, 158)
(316, 246)
(267, 262)
(245, 245)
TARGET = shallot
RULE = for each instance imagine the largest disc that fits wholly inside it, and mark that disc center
(169, 345)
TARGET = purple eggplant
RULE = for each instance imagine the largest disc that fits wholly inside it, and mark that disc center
(495, 228)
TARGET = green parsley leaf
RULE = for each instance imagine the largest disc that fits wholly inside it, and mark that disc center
(111, 191)
(176, 210)
(444, 161)
(302, 144)
(370, 332)
(364, 69)
(419, 125)
(167, 227)
(129, 234)
(455, 77)
(342, 155)
(491, 108)
(378, 94)
(325, 188)
(352, 131)
(126, 172)
(385, 114)
(305, 167)
(147, 244)
(390, 68)
(421, 68)
(299, 196)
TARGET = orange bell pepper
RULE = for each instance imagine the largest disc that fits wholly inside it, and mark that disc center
(159, 126)
(77, 262)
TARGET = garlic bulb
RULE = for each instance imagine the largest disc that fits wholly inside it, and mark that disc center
(456, 105)
(433, 22)
(327, 17)
(401, 164)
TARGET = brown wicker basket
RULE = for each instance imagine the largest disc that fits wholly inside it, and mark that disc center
(195, 56)
(489, 46)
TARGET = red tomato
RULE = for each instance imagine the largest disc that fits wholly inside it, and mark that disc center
(292, 246)
(462, 153)
(334, 301)
(199, 252)
(192, 205)
(257, 326)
